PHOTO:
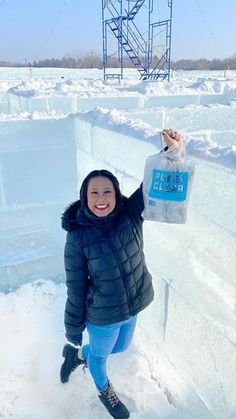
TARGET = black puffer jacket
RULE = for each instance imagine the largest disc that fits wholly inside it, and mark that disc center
(106, 275)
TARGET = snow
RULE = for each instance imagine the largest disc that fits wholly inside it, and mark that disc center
(54, 130)
(32, 316)
(32, 85)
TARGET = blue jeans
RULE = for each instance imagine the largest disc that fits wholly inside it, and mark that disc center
(103, 341)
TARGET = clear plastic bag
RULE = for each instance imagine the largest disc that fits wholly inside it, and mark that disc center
(166, 186)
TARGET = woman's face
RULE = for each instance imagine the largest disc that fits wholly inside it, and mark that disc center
(101, 196)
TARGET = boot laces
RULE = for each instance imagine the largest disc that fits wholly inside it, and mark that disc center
(74, 367)
(77, 363)
(111, 396)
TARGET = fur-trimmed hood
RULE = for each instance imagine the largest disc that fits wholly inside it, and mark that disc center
(69, 217)
(76, 215)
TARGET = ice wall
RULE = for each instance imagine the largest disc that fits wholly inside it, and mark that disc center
(189, 330)
(4, 103)
(37, 176)
(17, 101)
(197, 121)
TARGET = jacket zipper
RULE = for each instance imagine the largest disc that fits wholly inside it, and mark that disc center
(121, 271)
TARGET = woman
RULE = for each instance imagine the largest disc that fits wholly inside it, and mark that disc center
(107, 280)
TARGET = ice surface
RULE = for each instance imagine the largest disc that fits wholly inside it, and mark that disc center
(4, 108)
(185, 341)
(38, 175)
(217, 123)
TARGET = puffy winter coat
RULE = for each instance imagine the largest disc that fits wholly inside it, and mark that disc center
(106, 275)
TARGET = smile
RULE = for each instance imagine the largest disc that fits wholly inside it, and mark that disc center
(101, 207)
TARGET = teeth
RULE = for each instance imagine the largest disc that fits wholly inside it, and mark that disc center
(101, 206)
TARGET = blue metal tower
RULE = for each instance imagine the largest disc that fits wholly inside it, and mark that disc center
(133, 31)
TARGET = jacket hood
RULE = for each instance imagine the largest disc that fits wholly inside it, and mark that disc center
(68, 219)
(76, 215)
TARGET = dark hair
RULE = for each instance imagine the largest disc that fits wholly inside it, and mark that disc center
(95, 173)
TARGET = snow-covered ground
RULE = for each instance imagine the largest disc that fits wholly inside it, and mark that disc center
(31, 344)
(55, 126)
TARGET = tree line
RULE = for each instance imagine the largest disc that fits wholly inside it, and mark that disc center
(92, 59)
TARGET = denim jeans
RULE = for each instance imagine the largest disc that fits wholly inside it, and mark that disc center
(103, 341)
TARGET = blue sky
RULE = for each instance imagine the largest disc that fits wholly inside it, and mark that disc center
(32, 30)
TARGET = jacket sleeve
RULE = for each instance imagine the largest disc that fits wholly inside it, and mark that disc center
(77, 285)
(135, 204)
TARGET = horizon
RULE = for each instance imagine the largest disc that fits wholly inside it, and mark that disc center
(28, 64)
(38, 31)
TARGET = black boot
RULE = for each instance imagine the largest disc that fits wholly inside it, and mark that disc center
(113, 404)
(72, 361)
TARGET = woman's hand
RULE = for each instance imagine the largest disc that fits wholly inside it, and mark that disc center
(172, 137)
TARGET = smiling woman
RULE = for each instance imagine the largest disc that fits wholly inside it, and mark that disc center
(107, 279)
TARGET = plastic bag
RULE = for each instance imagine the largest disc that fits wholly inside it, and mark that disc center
(166, 186)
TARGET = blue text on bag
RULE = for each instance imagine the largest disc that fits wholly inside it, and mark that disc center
(171, 186)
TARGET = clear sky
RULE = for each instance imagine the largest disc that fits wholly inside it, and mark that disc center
(37, 29)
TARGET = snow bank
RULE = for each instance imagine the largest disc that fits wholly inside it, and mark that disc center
(97, 87)
(32, 338)
(75, 94)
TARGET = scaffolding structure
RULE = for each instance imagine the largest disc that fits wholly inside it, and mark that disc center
(133, 31)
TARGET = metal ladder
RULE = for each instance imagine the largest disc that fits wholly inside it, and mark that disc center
(131, 42)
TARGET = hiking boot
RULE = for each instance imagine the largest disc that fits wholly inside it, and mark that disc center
(113, 404)
(72, 361)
